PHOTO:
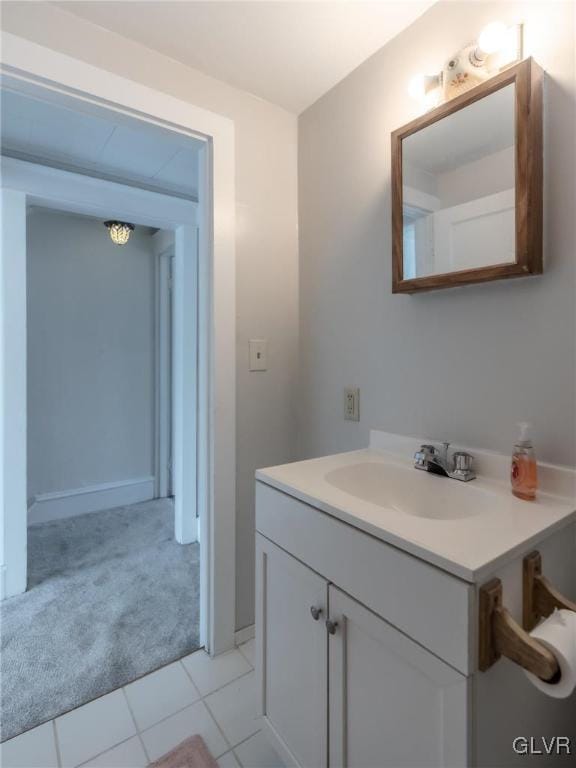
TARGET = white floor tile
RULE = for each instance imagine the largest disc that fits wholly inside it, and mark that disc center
(164, 736)
(129, 754)
(211, 673)
(228, 761)
(247, 649)
(33, 749)
(154, 697)
(94, 728)
(257, 752)
(234, 708)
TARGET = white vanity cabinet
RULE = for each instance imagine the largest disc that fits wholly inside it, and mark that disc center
(339, 684)
(368, 583)
(292, 653)
(392, 704)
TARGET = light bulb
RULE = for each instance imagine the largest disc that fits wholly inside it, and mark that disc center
(417, 87)
(492, 37)
(420, 85)
(432, 99)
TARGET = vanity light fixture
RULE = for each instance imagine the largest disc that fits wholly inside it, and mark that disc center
(420, 85)
(119, 231)
(498, 47)
(491, 40)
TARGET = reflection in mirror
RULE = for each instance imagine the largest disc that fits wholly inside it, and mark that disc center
(458, 188)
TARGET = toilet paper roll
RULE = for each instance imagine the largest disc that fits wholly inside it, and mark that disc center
(558, 634)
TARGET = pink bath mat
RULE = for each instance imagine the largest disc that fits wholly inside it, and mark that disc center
(192, 753)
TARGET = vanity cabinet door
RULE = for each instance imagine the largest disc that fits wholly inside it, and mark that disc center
(392, 703)
(292, 647)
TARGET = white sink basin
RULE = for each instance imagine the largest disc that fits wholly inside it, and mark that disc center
(411, 492)
(464, 528)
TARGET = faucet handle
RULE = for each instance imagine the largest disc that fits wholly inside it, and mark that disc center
(463, 462)
(421, 456)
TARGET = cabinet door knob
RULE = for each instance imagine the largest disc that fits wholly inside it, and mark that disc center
(316, 612)
(331, 626)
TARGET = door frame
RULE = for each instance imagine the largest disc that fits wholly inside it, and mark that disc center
(163, 247)
(176, 355)
(29, 67)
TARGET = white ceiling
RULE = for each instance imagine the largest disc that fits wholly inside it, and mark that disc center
(98, 142)
(289, 53)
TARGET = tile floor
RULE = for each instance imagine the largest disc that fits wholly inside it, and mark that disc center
(134, 725)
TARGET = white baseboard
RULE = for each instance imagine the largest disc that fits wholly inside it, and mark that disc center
(90, 498)
(12, 579)
(243, 635)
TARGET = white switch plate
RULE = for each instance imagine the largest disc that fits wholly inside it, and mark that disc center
(258, 349)
(352, 404)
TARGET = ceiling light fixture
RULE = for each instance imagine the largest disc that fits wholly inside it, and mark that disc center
(119, 231)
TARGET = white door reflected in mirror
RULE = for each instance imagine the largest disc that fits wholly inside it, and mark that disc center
(458, 190)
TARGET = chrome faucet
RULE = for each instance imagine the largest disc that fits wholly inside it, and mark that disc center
(459, 466)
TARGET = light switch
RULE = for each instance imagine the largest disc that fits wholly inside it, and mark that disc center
(258, 354)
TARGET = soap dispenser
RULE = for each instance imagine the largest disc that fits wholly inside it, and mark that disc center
(524, 473)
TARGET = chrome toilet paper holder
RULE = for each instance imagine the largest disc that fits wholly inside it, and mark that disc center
(500, 635)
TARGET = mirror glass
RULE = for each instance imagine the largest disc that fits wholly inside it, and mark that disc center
(458, 187)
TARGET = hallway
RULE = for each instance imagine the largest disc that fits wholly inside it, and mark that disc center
(111, 596)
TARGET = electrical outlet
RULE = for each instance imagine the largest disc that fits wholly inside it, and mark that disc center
(352, 404)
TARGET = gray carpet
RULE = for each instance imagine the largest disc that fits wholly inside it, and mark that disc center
(111, 597)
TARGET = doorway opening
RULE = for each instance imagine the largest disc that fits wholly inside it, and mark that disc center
(210, 464)
(113, 572)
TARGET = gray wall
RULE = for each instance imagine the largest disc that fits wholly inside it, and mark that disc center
(90, 353)
(462, 364)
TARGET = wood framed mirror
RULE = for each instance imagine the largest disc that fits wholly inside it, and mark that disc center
(467, 186)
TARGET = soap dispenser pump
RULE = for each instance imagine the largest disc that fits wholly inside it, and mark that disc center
(524, 472)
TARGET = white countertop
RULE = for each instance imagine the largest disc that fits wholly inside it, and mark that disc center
(487, 525)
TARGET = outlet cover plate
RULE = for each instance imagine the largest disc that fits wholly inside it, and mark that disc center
(352, 404)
